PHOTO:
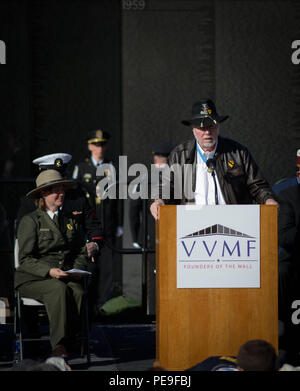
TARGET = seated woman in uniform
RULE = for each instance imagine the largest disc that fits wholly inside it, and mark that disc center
(49, 245)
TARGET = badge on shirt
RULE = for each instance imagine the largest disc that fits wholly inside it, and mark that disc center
(87, 177)
(230, 163)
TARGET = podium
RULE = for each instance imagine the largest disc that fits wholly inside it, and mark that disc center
(193, 324)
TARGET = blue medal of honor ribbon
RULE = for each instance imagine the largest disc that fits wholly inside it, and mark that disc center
(200, 153)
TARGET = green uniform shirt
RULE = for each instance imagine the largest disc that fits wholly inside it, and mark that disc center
(42, 246)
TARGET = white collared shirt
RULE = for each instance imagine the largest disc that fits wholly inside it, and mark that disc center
(51, 214)
(205, 187)
(95, 163)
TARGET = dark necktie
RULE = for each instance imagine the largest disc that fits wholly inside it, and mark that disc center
(56, 220)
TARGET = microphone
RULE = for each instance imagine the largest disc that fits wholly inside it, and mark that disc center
(211, 165)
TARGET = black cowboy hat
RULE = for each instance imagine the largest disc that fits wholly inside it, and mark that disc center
(204, 113)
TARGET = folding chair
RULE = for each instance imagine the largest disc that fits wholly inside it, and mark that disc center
(21, 302)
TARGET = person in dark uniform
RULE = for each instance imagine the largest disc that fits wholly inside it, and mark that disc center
(76, 205)
(160, 152)
(289, 265)
(108, 272)
(50, 244)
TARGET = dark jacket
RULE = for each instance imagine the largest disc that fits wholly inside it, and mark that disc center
(43, 246)
(108, 211)
(289, 222)
(240, 179)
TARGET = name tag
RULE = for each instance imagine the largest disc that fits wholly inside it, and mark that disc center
(44, 229)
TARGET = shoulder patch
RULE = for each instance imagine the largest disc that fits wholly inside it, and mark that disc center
(75, 172)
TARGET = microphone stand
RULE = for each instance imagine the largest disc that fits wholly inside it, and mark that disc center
(216, 191)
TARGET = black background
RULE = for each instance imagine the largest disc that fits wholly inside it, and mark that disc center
(75, 66)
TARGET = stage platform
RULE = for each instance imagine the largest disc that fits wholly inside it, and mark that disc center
(114, 347)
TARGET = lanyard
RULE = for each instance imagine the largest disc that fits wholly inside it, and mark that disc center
(200, 153)
(213, 174)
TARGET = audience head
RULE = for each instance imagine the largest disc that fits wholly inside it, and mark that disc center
(34, 366)
(257, 355)
(51, 364)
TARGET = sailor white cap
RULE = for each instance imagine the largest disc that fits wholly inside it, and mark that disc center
(53, 159)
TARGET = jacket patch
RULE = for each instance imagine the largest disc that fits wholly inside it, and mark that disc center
(230, 163)
(236, 171)
(87, 177)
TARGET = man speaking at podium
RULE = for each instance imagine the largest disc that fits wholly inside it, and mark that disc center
(214, 169)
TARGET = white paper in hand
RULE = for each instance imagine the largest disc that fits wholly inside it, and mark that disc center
(77, 271)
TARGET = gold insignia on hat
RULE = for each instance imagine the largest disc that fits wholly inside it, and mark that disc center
(99, 134)
(230, 163)
(206, 112)
(58, 163)
(69, 226)
(98, 138)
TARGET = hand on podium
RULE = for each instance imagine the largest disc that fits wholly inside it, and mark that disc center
(270, 201)
(154, 208)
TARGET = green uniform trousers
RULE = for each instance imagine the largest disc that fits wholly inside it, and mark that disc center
(63, 301)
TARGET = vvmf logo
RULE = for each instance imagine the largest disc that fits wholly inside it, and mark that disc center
(2, 52)
(216, 242)
(218, 247)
